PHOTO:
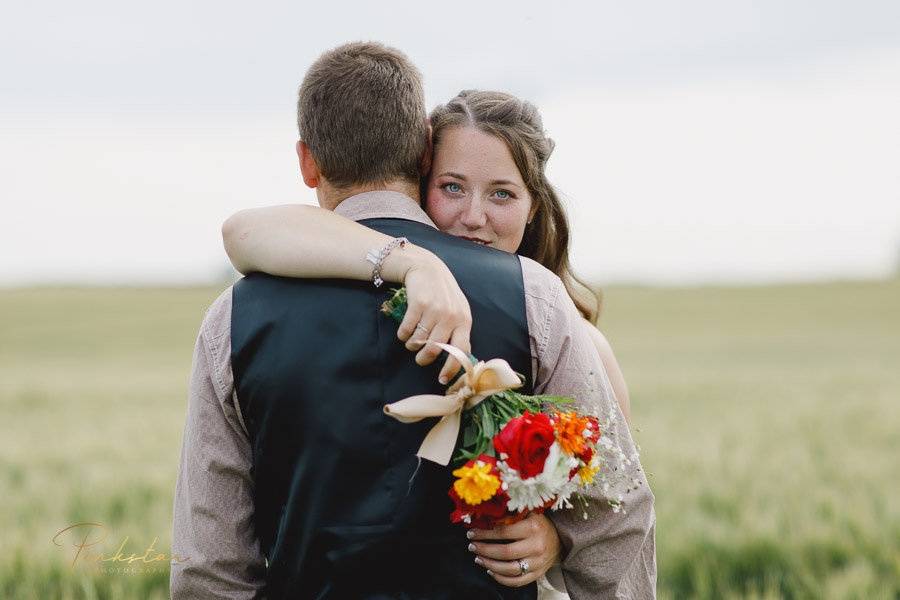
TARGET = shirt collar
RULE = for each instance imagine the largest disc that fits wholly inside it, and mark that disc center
(382, 204)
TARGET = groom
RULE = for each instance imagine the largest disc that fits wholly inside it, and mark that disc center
(293, 483)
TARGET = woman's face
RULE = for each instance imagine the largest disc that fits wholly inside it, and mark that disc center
(475, 190)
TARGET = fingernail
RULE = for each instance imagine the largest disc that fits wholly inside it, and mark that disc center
(489, 572)
(470, 535)
(471, 547)
(442, 380)
(478, 561)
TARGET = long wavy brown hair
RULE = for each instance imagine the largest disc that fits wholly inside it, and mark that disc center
(518, 123)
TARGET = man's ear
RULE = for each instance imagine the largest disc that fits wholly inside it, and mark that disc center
(425, 162)
(308, 167)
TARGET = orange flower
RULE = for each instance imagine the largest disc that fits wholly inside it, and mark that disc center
(570, 429)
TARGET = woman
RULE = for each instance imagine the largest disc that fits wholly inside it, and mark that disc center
(487, 184)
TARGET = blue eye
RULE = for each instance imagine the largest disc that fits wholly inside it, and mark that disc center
(502, 194)
(453, 188)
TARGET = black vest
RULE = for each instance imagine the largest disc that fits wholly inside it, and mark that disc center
(342, 508)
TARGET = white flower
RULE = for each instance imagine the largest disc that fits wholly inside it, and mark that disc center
(535, 492)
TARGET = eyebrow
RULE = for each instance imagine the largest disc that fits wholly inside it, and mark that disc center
(463, 178)
(504, 182)
(452, 174)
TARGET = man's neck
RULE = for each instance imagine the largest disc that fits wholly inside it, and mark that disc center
(329, 197)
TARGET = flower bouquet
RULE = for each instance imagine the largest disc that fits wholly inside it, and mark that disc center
(519, 454)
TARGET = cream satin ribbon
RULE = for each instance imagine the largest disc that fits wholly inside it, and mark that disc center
(479, 381)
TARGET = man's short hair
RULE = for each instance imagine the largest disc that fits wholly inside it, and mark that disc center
(361, 111)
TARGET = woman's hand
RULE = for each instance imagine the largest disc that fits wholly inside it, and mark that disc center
(437, 311)
(534, 539)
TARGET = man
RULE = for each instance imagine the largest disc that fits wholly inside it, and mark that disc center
(287, 454)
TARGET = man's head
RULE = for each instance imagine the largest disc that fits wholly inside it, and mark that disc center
(362, 121)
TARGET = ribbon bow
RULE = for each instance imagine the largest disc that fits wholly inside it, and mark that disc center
(479, 381)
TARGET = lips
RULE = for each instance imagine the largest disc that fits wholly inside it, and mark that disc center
(476, 240)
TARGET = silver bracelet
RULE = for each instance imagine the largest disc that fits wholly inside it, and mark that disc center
(376, 257)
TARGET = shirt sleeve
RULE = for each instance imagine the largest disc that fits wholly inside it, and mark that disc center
(606, 554)
(214, 546)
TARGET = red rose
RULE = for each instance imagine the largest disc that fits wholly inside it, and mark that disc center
(526, 441)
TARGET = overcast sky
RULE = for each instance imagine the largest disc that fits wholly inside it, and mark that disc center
(696, 141)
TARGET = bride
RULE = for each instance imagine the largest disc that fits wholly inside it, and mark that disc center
(487, 184)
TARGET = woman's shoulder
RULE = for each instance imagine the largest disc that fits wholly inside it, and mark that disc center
(539, 280)
(597, 336)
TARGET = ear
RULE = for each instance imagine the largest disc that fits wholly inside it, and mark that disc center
(425, 162)
(308, 167)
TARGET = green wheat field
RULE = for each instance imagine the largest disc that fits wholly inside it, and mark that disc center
(768, 418)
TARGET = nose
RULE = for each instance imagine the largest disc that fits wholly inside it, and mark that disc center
(473, 215)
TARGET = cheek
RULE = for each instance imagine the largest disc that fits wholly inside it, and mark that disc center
(443, 212)
(509, 225)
